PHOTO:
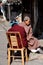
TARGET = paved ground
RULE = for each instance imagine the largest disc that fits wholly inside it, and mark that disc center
(34, 59)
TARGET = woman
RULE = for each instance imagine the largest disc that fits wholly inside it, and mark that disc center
(33, 43)
(2, 2)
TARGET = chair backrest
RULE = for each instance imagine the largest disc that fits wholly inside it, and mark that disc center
(13, 39)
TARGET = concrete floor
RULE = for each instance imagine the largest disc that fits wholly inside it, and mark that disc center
(34, 59)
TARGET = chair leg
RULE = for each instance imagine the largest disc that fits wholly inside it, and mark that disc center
(13, 55)
(22, 54)
(8, 57)
(26, 55)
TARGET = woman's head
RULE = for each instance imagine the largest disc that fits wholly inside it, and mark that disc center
(27, 20)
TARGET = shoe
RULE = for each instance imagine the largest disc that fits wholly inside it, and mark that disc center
(35, 50)
(17, 53)
(38, 49)
(38, 52)
(41, 47)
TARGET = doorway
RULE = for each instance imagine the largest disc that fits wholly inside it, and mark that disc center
(40, 14)
(35, 10)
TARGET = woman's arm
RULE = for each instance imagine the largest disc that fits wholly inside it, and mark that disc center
(30, 34)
